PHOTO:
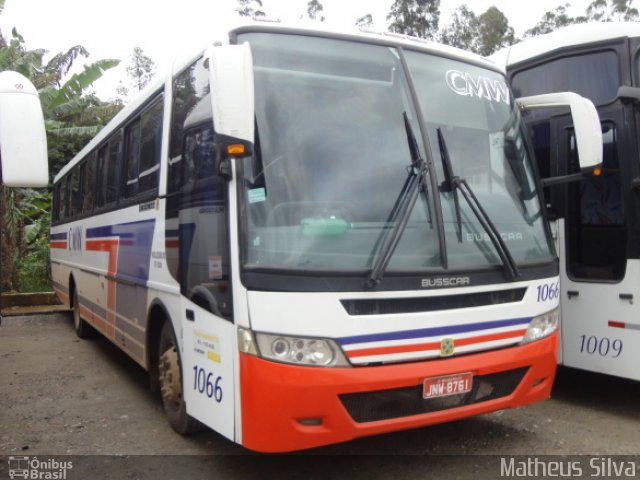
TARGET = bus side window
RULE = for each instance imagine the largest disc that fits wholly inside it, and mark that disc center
(55, 209)
(150, 147)
(63, 199)
(132, 159)
(76, 183)
(89, 183)
(113, 169)
(101, 177)
(196, 223)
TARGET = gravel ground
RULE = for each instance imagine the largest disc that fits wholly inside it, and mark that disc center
(64, 396)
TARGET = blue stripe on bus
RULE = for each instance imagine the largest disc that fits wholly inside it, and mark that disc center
(432, 332)
(134, 249)
(58, 236)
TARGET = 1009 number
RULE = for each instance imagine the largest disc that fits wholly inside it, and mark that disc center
(605, 347)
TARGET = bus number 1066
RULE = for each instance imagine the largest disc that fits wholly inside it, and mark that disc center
(206, 383)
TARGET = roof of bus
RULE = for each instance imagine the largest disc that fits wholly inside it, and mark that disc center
(571, 36)
(302, 28)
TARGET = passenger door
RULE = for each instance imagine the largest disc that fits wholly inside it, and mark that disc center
(597, 282)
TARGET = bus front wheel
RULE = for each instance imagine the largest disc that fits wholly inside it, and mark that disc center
(170, 380)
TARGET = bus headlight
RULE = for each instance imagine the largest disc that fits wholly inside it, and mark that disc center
(542, 326)
(318, 352)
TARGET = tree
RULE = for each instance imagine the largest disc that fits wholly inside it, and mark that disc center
(494, 32)
(552, 21)
(250, 8)
(418, 18)
(366, 21)
(141, 69)
(617, 10)
(314, 10)
(622, 11)
(71, 117)
(463, 31)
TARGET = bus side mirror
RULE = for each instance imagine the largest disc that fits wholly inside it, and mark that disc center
(586, 124)
(23, 140)
(232, 99)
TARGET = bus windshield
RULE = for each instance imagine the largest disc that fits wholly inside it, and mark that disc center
(332, 156)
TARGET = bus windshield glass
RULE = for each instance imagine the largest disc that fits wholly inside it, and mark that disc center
(332, 156)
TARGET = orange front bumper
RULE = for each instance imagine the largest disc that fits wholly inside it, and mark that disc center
(286, 407)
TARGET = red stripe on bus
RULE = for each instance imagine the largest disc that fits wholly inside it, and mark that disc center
(614, 324)
(460, 342)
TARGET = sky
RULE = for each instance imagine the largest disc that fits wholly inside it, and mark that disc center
(112, 28)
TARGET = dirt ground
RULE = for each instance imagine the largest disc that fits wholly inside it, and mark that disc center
(65, 396)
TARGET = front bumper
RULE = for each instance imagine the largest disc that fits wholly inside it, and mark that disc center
(288, 407)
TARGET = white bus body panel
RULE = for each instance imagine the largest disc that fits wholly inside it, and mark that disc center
(210, 342)
(23, 140)
(604, 340)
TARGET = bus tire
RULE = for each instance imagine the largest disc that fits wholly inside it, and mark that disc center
(170, 380)
(82, 328)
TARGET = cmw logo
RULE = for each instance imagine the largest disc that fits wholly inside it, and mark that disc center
(469, 85)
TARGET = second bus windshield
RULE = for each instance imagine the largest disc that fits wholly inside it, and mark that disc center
(333, 155)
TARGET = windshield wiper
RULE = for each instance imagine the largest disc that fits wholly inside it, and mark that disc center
(454, 183)
(414, 184)
(448, 183)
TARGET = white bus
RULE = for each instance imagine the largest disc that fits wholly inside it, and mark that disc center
(595, 220)
(310, 236)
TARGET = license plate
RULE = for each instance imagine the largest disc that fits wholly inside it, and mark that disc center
(435, 387)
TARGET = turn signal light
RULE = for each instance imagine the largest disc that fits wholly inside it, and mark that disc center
(235, 149)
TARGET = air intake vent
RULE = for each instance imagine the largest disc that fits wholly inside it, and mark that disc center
(403, 402)
(386, 306)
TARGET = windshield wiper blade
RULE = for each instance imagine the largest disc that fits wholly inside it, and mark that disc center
(399, 216)
(447, 184)
(455, 183)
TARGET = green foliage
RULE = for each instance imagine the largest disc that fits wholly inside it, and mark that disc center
(553, 20)
(141, 69)
(314, 10)
(482, 34)
(250, 8)
(366, 21)
(418, 18)
(72, 117)
(597, 11)
(494, 31)
(32, 260)
(463, 31)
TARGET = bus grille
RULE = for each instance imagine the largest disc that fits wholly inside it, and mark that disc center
(382, 306)
(403, 402)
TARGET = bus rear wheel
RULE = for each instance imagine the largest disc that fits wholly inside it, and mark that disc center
(82, 328)
(170, 380)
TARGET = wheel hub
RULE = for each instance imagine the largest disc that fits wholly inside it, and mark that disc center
(169, 370)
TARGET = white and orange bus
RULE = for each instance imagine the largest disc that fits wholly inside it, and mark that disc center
(309, 236)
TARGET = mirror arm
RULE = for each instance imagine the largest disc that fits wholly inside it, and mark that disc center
(629, 94)
(564, 179)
